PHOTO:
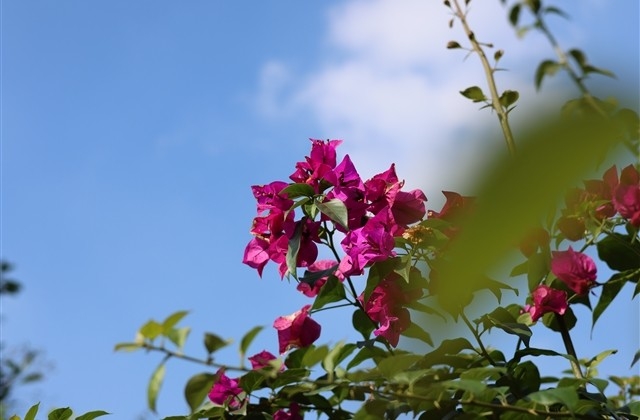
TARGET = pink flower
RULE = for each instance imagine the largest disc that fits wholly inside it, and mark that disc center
(576, 270)
(262, 359)
(546, 299)
(385, 307)
(368, 244)
(626, 198)
(226, 390)
(293, 414)
(296, 330)
(321, 161)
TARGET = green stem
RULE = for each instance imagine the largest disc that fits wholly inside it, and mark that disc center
(502, 114)
(208, 362)
(483, 350)
(568, 345)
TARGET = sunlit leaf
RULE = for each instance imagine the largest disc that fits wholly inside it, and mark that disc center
(248, 338)
(127, 347)
(293, 248)
(151, 330)
(178, 336)
(293, 191)
(154, 386)
(60, 414)
(566, 396)
(332, 291)
(31, 413)
(172, 320)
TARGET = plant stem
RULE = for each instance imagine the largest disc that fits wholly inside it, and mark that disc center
(503, 116)
(483, 350)
(568, 345)
(208, 362)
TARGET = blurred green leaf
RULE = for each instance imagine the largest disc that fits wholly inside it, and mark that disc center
(31, 413)
(636, 357)
(151, 330)
(566, 396)
(127, 347)
(214, 343)
(178, 336)
(504, 212)
(248, 339)
(546, 68)
(362, 323)
(172, 320)
(417, 332)
(474, 93)
(92, 415)
(197, 388)
(154, 386)
(508, 98)
(551, 320)
(514, 14)
(60, 414)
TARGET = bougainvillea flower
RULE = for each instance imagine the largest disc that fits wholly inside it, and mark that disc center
(545, 299)
(269, 197)
(226, 390)
(292, 414)
(312, 290)
(262, 359)
(601, 191)
(321, 161)
(385, 306)
(368, 244)
(408, 207)
(256, 254)
(296, 330)
(454, 206)
(575, 269)
(626, 198)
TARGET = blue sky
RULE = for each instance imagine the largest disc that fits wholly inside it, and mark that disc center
(132, 132)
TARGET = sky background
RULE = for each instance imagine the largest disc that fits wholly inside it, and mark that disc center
(132, 132)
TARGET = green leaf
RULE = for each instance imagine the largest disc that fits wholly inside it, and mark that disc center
(556, 11)
(566, 396)
(483, 373)
(633, 407)
(620, 252)
(519, 269)
(60, 414)
(314, 355)
(609, 291)
(508, 98)
(197, 388)
(248, 339)
(514, 14)
(636, 357)
(154, 386)
(474, 93)
(31, 413)
(551, 321)
(294, 248)
(447, 347)
(293, 191)
(417, 332)
(178, 336)
(252, 381)
(214, 343)
(151, 330)
(127, 347)
(374, 353)
(596, 360)
(336, 211)
(592, 69)
(579, 57)
(397, 363)
(546, 68)
(521, 330)
(472, 386)
(332, 291)
(371, 410)
(451, 45)
(92, 415)
(362, 323)
(172, 320)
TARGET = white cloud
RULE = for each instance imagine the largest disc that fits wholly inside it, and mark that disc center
(387, 85)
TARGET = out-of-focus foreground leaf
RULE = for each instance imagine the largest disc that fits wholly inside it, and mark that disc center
(515, 194)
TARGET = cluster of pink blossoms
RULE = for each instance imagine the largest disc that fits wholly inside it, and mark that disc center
(377, 210)
(599, 200)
